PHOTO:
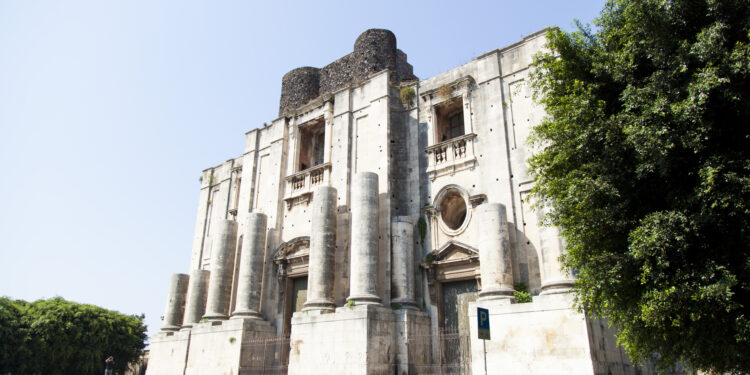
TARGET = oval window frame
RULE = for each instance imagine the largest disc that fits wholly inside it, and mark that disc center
(442, 195)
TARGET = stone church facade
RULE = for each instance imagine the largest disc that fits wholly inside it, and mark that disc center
(359, 231)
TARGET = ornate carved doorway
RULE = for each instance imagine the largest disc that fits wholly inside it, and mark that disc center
(292, 258)
(453, 275)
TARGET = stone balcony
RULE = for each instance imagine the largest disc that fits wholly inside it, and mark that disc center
(451, 156)
(299, 186)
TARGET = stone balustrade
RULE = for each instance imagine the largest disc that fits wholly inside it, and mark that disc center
(450, 156)
(299, 186)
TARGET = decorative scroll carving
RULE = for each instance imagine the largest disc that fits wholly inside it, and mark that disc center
(292, 257)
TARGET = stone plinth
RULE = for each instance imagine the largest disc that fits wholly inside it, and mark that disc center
(546, 336)
(357, 340)
(167, 353)
(228, 346)
(413, 341)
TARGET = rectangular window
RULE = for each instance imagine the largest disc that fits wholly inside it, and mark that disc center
(311, 144)
(450, 119)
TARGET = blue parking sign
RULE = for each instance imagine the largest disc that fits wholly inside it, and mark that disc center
(483, 323)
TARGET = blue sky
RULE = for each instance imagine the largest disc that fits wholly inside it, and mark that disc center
(109, 110)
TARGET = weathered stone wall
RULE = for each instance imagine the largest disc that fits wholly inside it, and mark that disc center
(404, 70)
(298, 87)
(167, 353)
(547, 336)
(338, 73)
(399, 161)
(358, 340)
(375, 50)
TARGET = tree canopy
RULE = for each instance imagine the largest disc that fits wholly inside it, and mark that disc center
(644, 158)
(56, 336)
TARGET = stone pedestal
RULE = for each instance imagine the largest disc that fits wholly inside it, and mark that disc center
(222, 267)
(358, 340)
(167, 353)
(250, 278)
(195, 306)
(234, 346)
(413, 341)
(546, 336)
(363, 287)
(322, 250)
(495, 262)
(402, 248)
(178, 285)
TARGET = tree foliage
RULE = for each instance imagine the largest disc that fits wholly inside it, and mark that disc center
(56, 336)
(645, 159)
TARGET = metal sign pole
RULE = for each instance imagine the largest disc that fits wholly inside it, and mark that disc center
(484, 346)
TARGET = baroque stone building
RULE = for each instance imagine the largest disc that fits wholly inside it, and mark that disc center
(359, 231)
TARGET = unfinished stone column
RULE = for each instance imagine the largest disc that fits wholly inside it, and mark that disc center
(178, 284)
(554, 278)
(322, 251)
(494, 253)
(251, 267)
(196, 298)
(402, 247)
(222, 265)
(363, 287)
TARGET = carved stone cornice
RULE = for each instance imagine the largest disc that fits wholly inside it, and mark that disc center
(303, 198)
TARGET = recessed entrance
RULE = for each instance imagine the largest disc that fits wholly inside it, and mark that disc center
(456, 298)
(299, 293)
(456, 342)
(296, 297)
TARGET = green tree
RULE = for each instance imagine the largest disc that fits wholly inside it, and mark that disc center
(11, 335)
(644, 159)
(56, 336)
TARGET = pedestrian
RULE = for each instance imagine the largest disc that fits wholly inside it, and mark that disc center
(110, 366)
